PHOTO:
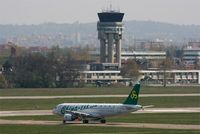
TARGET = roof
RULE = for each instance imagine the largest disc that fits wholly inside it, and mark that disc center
(110, 16)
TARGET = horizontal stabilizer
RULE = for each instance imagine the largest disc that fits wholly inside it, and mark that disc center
(148, 106)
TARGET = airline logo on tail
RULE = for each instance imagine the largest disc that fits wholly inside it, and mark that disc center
(134, 95)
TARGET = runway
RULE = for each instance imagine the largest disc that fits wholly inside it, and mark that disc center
(109, 124)
(25, 113)
(170, 110)
(91, 96)
(147, 110)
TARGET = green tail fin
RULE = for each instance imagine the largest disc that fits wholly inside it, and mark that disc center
(133, 96)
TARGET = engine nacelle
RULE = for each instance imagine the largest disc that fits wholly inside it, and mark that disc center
(69, 117)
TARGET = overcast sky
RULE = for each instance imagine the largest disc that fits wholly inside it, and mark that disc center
(69, 11)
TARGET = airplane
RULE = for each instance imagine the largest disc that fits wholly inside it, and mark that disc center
(86, 112)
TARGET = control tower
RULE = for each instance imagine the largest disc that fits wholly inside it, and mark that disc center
(110, 29)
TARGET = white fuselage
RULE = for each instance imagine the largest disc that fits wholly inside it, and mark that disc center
(96, 109)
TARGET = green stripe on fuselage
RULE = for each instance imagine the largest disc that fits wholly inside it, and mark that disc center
(76, 108)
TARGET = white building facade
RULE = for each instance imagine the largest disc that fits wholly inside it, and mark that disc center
(106, 76)
(172, 76)
(178, 77)
(191, 57)
(149, 55)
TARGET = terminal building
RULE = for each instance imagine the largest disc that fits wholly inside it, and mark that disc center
(176, 77)
(105, 72)
(110, 29)
(171, 76)
(149, 55)
(191, 58)
(137, 55)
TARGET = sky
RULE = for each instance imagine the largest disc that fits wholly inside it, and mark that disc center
(69, 11)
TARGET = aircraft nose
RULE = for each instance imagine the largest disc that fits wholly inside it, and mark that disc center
(54, 111)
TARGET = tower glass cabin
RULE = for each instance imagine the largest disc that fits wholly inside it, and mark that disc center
(110, 29)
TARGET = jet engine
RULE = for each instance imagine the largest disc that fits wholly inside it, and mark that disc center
(69, 117)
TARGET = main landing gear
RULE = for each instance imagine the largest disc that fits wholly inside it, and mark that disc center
(103, 121)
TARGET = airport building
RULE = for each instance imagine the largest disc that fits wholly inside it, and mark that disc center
(138, 55)
(110, 28)
(105, 72)
(143, 55)
(177, 77)
(191, 57)
(104, 76)
(171, 76)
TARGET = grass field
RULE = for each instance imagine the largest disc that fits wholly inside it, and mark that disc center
(64, 129)
(42, 104)
(162, 118)
(98, 91)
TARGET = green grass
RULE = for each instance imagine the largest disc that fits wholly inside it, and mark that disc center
(41, 104)
(64, 129)
(162, 118)
(94, 90)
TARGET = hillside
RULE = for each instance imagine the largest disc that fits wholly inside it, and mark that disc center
(70, 33)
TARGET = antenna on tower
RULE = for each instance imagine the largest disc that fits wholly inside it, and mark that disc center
(111, 7)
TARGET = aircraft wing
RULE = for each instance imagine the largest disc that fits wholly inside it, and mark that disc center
(82, 114)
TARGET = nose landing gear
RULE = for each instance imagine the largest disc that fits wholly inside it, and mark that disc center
(85, 121)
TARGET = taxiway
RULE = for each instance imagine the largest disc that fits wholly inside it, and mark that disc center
(91, 96)
(109, 124)
(147, 110)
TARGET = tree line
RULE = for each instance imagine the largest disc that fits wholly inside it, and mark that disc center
(54, 69)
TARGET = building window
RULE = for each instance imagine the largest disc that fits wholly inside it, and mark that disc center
(89, 76)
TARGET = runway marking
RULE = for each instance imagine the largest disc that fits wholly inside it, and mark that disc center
(91, 96)
(110, 124)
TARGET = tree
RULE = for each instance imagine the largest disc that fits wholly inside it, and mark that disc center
(33, 70)
(130, 70)
(36, 70)
(69, 72)
(166, 65)
(3, 81)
